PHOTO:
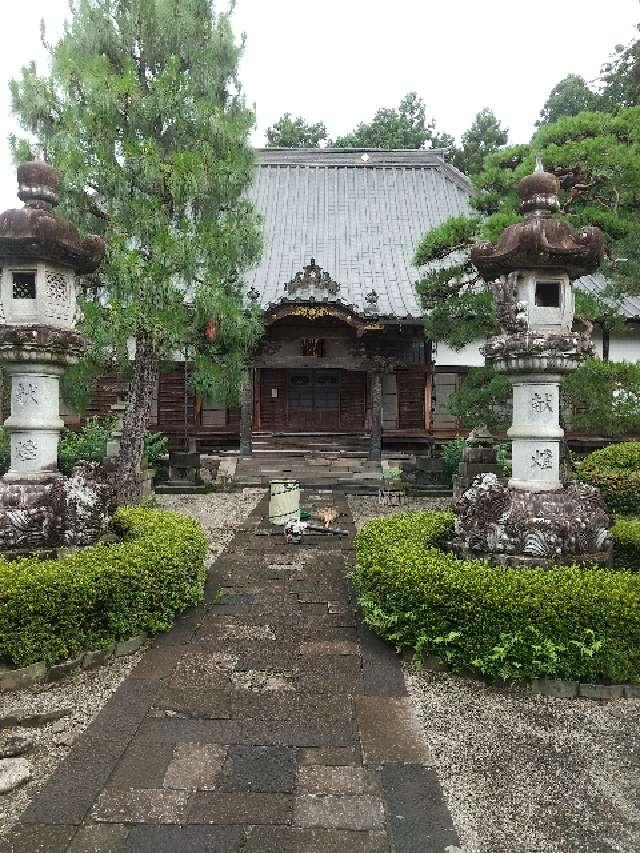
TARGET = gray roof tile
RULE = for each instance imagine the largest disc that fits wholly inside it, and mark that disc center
(360, 213)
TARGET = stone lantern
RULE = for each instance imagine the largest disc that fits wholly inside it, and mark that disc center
(41, 255)
(531, 269)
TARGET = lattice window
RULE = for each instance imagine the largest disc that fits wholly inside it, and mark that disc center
(24, 284)
(57, 286)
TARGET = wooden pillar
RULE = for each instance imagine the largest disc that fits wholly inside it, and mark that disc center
(375, 443)
(246, 413)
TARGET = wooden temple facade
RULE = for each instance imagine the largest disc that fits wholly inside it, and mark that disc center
(343, 358)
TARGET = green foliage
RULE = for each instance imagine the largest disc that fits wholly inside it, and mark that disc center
(621, 76)
(88, 444)
(484, 397)
(626, 544)
(290, 132)
(512, 624)
(595, 156)
(452, 235)
(485, 136)
(155, 446)
(615, 470)
(606, 396)
(142, 112)
(5, 450)
(569, 97)
(406, 127)
(451, 458)
(53, 609)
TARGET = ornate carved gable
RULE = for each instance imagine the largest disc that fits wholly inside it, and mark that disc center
(312, 284)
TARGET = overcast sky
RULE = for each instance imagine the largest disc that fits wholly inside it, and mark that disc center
(340, 60)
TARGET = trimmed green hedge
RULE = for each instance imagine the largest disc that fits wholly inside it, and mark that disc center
(615, 470)
(52, 610)
(626, 544)
(512, 624)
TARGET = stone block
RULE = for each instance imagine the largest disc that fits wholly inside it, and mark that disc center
(37, 838)
(127, 647)
(330, 647)
(329, 756)
(359, 813)
(18, 679)
(390, 732)
(195, 766)
(100, 838)
(231, 809)
(14, 772)
(480, 455)
(632, 691)
(140, 806)
(67, 667)
(260, 769)
(282, 839)
(601, 691)
(185, 839)
(337, 780)
(554, 687)
(98, 657)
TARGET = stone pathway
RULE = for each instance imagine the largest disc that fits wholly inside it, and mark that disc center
(266, 721)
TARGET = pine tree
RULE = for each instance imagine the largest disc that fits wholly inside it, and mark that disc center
(485, 136)
(142, 112)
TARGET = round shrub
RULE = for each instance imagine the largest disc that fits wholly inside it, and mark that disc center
(626, 544)
(615, 470)
(505, 623)
(51, 610)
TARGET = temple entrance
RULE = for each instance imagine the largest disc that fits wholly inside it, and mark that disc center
(312, 400)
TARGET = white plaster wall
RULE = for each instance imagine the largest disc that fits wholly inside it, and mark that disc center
(468, 356)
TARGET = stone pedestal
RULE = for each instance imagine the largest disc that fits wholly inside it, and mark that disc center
(536, 433)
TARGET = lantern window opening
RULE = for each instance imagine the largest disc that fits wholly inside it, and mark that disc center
(24, 284)
(548, 294)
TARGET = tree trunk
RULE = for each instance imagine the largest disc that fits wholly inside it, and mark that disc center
(246, 413)
(605, 344)
(136, 420)
(375, 442)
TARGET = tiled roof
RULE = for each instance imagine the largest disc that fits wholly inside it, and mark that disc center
(594, 284)
(359, 213)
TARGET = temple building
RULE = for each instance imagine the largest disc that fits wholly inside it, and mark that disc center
(343, 359)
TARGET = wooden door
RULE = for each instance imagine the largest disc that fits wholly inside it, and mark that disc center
(353, 400)
(273, 399)
(410, 386)
(171, 401)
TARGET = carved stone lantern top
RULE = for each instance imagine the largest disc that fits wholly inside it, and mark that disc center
(37, 233)
(540, 242)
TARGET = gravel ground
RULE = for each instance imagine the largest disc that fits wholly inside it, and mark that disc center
(524, 773)
(83, 695)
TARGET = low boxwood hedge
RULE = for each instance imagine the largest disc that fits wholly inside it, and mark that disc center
(615, 470)
(512, 624)
(626, 544)
(52, 610)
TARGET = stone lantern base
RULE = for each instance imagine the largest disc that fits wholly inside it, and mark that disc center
(532, 528)
(45, 513)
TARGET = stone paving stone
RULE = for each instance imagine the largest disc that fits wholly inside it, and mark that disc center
(337, 780)
(186, 839)
(339, 812)
(100, 838)
(211, 670)
(260, 769)
(195, 766)
(37, 839)
(69, 793)
(281, 839)
(330, 647)
(418, 817)
(331, 674)
(183, 629)
(229, 809)
(158, 663)
(140, 806)
(389, 732)
(310, 733)
(143, 765)
(381, 671)
(329, 756)
(176, 729)
(195, 702)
